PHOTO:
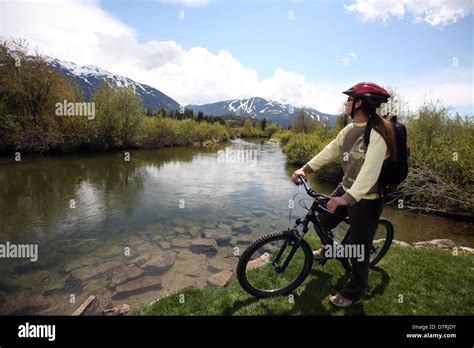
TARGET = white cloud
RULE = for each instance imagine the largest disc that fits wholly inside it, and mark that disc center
(437, 13)
(345, 60)
(452, 87)
(188, 3)
(83, 33)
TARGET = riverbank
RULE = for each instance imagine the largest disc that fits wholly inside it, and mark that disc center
(408, 281)
(31, 121)
(156, 133)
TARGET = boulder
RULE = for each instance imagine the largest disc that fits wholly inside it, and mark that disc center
(245, 219)
(436, 244)
(221, 234)
(157, 238)
(401, 243)
(72, 284)
(258, 212)
(164, 245)
(259, 262)
(241, 227)
(223, 264)
(228, 221)
(123, 274)
(181, 243)
(444, 243)
(467, 249)
(179, 230)
(139, 261)
(97, 270)
(138, 286)
(161, 263)
(204, 245)
(242, 239)
(220, 279)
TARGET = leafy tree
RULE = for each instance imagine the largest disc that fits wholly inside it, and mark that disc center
(119, 115)
(29, 90)
(303, 123)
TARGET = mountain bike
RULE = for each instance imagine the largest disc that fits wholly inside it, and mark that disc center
(278, 262)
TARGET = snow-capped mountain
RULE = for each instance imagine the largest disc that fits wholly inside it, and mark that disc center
(89, 77)
(260, 108)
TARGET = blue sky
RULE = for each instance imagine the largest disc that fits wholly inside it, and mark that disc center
(234, 49)
(261, 35)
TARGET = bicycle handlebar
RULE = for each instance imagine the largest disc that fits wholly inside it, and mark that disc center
(320, 197)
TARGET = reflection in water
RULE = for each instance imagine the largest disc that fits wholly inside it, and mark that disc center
(102, 222)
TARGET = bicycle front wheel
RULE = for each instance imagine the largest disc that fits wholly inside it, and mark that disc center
(274, 265)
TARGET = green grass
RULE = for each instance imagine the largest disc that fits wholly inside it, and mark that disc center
(406, 282)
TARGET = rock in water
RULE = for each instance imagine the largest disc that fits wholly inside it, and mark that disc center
(181, 243)
(161, 263)
(222, 234)
(226, 263)
(241, 227)
(164, 245)
(137, 286)
(258, 212)
(220, 279)
(204, 245)
(123, 274)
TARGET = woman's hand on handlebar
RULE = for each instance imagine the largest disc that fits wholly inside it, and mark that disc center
(297, 174)
(334, 202)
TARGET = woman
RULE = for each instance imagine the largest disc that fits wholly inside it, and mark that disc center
(359, 194)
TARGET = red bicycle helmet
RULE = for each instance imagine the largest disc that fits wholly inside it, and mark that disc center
(370, 93)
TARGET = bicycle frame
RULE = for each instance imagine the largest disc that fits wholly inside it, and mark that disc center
(311, 216)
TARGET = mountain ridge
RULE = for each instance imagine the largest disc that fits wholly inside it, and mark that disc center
(89, 77)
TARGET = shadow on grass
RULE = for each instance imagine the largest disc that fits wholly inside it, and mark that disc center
(239, 305)
(317, 291)
(314, 298)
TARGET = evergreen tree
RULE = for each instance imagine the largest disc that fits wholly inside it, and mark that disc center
(200, 116)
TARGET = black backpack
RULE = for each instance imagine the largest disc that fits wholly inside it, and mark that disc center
(393, 172)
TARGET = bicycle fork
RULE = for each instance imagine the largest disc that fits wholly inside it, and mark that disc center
(294, 242)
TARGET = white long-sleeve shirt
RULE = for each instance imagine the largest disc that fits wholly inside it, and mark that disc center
(361, 166)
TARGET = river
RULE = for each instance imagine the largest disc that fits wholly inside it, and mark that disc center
(100, 219)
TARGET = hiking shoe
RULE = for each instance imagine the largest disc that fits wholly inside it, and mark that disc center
(340, 301)
(318, 254)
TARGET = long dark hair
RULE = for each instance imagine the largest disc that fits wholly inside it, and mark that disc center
(384, 128)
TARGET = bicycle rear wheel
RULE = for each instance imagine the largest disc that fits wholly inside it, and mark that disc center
(382, 240)
(261, 270)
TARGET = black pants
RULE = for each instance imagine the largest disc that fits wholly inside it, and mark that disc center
(363, 217)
